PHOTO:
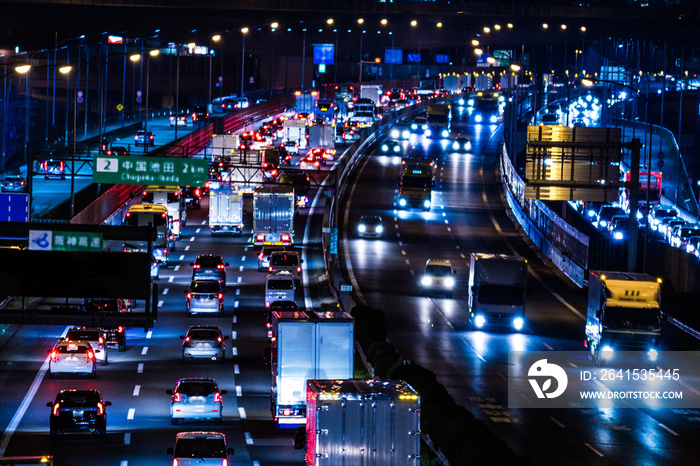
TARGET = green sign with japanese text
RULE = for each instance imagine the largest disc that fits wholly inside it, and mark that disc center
(48, 240)
(163, 171)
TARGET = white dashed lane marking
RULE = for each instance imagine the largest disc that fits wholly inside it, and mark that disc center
(182, 257)
(130, 414)
(137, 390)
(144, 351)
(139, 368)
(236, 369)
(165, 290)
(241, 412)
(149, 334)
(127, 438)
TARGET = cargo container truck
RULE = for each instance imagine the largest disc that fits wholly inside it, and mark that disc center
(225, 211)
(273, 215)
(369, 422)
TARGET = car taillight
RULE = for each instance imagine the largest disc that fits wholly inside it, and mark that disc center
(175, 462)
(285, 237)
(176, 397)
(136, 138)
(224, 462)
(219, 339)
(196, 266)
(260, 238)
(221, 296)
(53, 355)
(151, 136)
(217, 397)
(197, 192)
(100, 409)
(189, 295)
(269, 269)
(90, 355)
(55, 409)
(101, 341)
(120, 329)
(269, 325)
(220, 266)
(298, 268)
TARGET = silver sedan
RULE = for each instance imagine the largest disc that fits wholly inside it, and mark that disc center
(196, 399)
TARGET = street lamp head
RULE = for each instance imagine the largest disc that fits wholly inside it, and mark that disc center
(497, 27)
(414, 23)
(329, 21)
(478, 51)
(216, 38)
(487, 29)
(545, 25)
(563, 27)
(475, 42)
(360, 20)
(245, 30)
(154, 53)
(583, 28)
(22, 69)
(384, 21)
(510, 25)
(65, 69)
(439, 24)
(135, 57)
(588, 82)
(515, 67)
(274, 25)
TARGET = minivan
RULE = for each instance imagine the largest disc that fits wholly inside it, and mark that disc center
(286, 260)
(279, 287)
(200, 448)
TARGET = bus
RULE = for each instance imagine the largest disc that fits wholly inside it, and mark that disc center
(415, 186)
(173, 199)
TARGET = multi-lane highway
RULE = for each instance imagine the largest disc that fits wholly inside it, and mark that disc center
(468, 215)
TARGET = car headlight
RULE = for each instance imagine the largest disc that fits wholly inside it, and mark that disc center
(397, 148)
(591, 213)
(394, 133)
(518, 323)
(406, 134)
(428, 132)
(385, 147)
(618, 235)
(493, 119)
(449, 282)
(379, 229)
(460, 102)
(690, 248)
(607, 349)
(426, 281)
(361, 228)
(455, 145)
(403, 202)
(445, 133)
(426, 203)
(414, 126)
(602, 224)
(479, 321)
(478, 118)
(652, 354)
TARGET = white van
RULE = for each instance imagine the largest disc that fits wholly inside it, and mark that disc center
(279, 287)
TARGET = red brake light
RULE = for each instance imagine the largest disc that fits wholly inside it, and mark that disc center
(196, 266)
(53, 355)
(176, 397)
(101, 341)
(217, 397)
(189, 295)
(90, 355)
(285, 237)
(120, 329)
(299, 269)
(175, 461)
(269, 269)
(55, 409)
(100, 409)
(269, 325)
(260, 238)
(219, 339)
(187, 339)
(220, 266)
(224, 462)
(221, 296)
(197, 192)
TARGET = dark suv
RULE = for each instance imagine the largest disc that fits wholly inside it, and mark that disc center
(78, 411)
(114, 336)
(209, 267)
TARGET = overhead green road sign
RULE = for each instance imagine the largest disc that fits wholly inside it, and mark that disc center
(163, 171)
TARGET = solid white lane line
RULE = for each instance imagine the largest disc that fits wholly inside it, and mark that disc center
(127, 438)
(139, 368)
(130, 414)
(669, 430)
(165, 290)
(19, 414)
(236, 369)
(239, 390)
(144, 351)
(149, 334)
(137, 390)
(248, 438)
(241, 412)
(548, 347)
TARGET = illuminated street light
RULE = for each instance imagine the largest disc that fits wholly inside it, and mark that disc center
(23, 69)
(487, 29)
(475, 42)
(545, 25)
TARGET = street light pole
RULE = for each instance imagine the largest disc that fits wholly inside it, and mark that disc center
(244, 31)
(214, 38)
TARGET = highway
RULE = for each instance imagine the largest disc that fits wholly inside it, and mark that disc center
(468, 215)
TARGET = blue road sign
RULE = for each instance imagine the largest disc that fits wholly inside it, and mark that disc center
(14, 207)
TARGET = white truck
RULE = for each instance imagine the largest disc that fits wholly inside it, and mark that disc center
(306, 346)
(451, 83)
(372, 92)
(294, 129)
(222, 145)
(497, 290)
(225, 211)
(624, 314)
(362, 422)
(323, 137)
(273, 215)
